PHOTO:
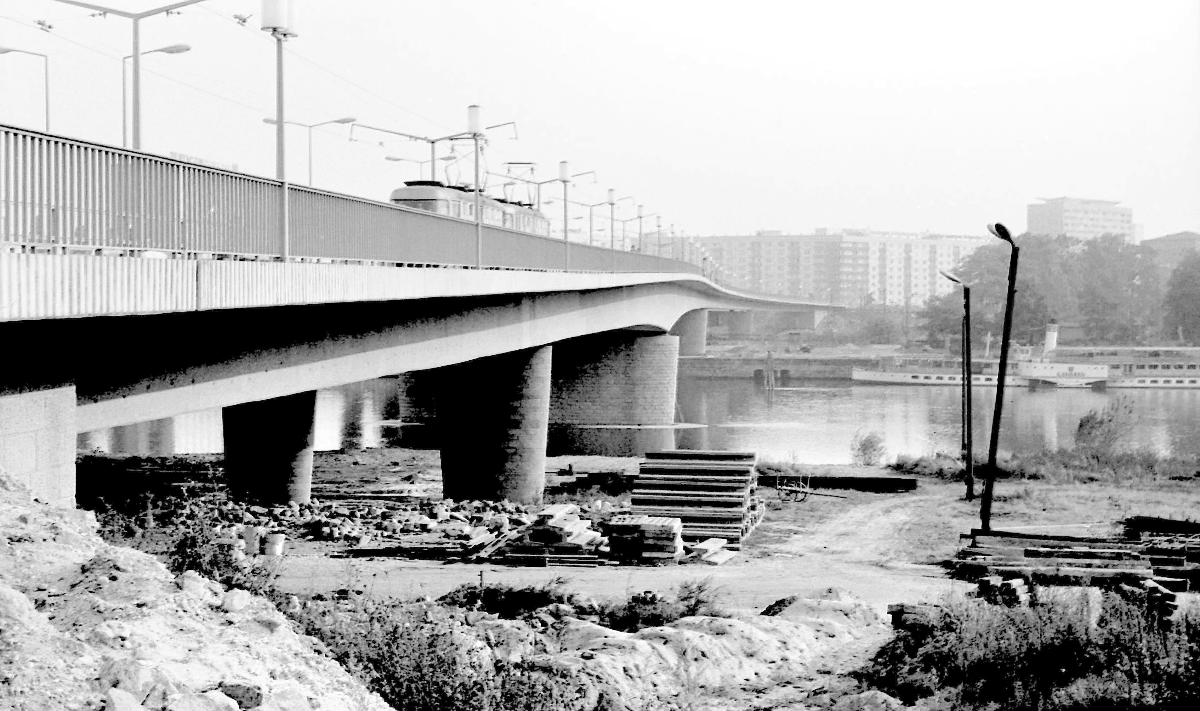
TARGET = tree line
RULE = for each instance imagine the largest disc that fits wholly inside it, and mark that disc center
(1111, 288)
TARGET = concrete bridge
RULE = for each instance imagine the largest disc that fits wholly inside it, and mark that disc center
(134, 287)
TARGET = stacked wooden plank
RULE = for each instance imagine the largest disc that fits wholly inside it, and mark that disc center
(648, 540)
(558, 536)
(711, 551)
(1060, 560)
(711, 493)
(1013, 592)
(1173, 546)
(1159, 601)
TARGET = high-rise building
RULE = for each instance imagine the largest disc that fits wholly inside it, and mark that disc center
(849, 268)
(1170, 250)
(1080, 218)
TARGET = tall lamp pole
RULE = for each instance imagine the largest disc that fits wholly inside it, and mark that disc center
(475, 128)
(277, 19)
(989, 481)
(564, 175)
(967, 431)
(45, 80)
(170, 49)
(136, 54)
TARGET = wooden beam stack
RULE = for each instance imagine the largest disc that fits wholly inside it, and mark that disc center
(1065, 560)
(711, 493)
(648, 540)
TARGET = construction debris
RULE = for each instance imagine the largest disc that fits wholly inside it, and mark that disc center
(558, 536)
(711, 493)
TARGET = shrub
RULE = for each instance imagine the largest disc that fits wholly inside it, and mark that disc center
(195, 547)
(1058, 655)
(1101, 432)
(866, 449)
(506, 601)
(649, 609)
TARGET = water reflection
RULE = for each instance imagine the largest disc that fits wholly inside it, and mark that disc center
(814, 421)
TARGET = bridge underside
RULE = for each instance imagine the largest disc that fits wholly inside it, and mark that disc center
(95, 373)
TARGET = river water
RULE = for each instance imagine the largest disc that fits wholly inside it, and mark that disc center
(810, 422)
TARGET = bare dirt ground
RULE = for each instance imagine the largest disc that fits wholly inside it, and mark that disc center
(883, 548)
(875, 546)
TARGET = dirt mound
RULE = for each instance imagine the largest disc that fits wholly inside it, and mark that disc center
(84, 624)
(699, 662)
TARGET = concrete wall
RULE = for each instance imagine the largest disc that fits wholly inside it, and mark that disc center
(37, 442)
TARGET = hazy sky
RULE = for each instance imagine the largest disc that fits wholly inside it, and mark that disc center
(723, 117)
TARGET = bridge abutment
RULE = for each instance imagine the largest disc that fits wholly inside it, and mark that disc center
(492, 420)
(37, 442)
(269, 448)
(692, 329)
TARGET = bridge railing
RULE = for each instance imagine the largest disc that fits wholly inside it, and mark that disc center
(72, 194)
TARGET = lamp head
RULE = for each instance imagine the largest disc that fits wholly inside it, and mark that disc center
(474, 124)
(1000, 231)
(347, 119)
(564, 171)
(270, 121)
(612, 196)
(175, 49)
(951, 277)
(277, 16)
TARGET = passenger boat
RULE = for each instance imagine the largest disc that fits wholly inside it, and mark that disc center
(1025, 370)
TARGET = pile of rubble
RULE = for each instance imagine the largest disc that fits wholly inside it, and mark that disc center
(85, 625)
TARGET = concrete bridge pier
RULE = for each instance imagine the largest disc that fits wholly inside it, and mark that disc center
(614, 393)
(269, 448)
(692, 329)
(37, 442)
(492, 420)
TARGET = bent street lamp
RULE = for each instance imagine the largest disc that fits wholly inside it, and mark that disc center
(989, 482)
(967, 433)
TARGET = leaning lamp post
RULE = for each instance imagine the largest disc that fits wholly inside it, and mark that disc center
(967, 433)
(989, 481)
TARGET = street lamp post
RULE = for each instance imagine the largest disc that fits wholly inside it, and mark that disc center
(564, 175)
(310, 127)
(169, 49)
(432, 141)
(989, 481)
(475, 128)
(276, 19)
(136, 54)
(967, 431)
(45, 79)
